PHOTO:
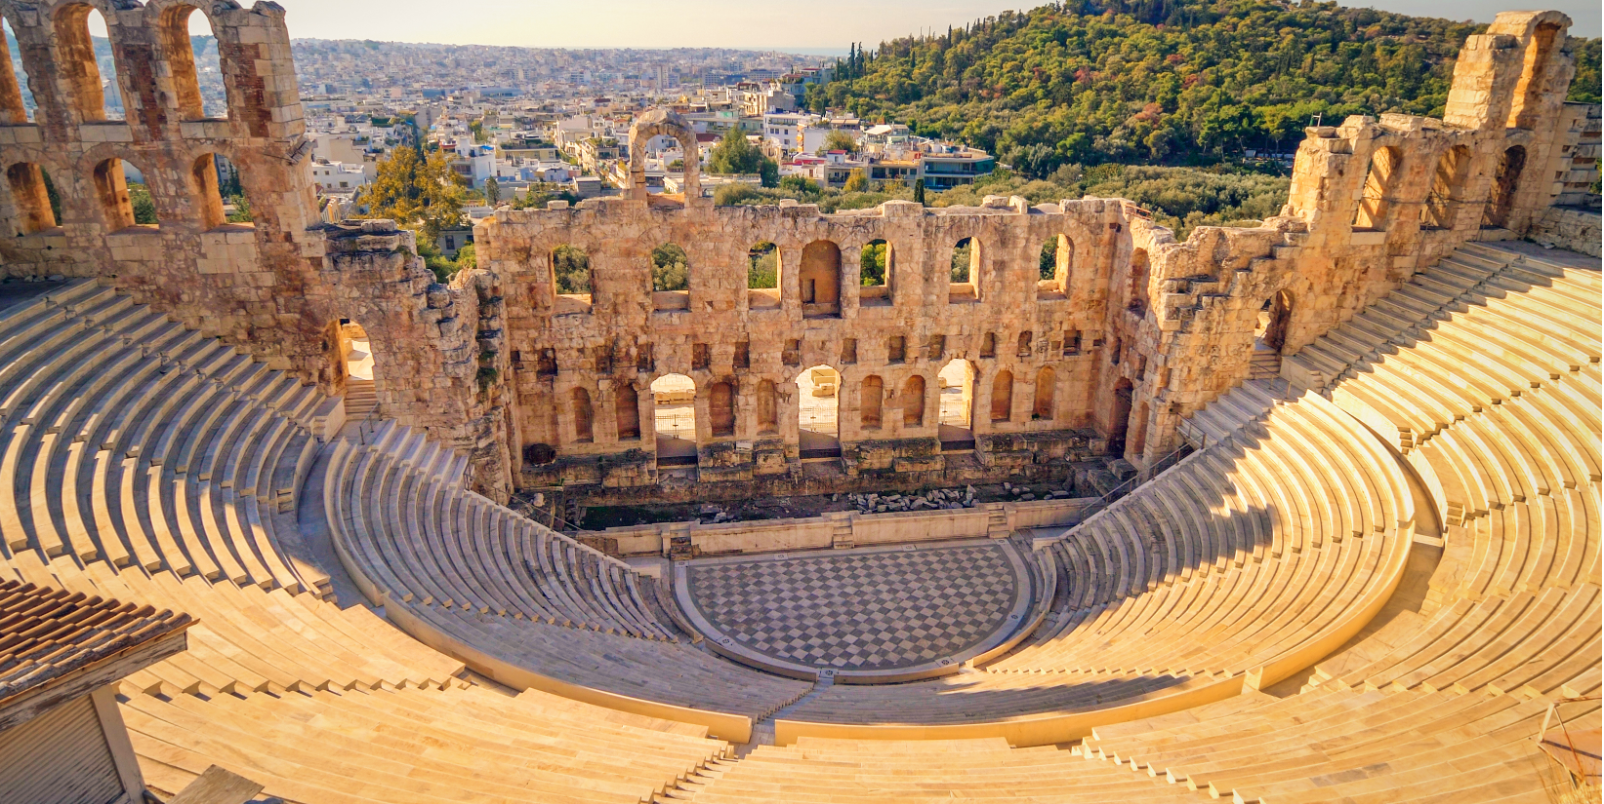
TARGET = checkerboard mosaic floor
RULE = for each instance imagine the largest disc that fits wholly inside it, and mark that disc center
(860, 611)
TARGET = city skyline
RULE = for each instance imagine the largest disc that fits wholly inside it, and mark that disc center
(825, 29)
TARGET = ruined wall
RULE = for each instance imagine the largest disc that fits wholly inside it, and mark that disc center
(275, 287)
(623, 335)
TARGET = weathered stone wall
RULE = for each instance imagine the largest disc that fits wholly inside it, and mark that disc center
(276, 287)
(624, 335)
(1573, 229)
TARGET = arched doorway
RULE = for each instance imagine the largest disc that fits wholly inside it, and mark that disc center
(957, 411)
(351, 353)
(1119, 417)
(1505, 182)
(674, 419)
(818, 412)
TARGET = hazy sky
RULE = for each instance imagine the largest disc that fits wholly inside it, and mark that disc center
(757, 24)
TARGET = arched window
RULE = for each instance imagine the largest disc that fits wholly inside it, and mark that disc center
(913, 402)
(124, 201)
(671, 278)
(871, 398)
(763, 276)
(874, 273)
(584, 427)
(820, 279)
(626, 401)
(1376, 202)
(180, 27)
(1057, 257)
(1505, 182)
(957, 382)
(1002, 396)
(76, 26)
(16, 99)
(31, 198)
(570, 277)
(1136, 294)
(1446, 185)
(768, 415)
(964, 280)
(1043, 409)
(721, 408)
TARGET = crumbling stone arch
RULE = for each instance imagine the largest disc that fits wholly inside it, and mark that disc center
(75, 61)
(1447, 188)
(664, 122)
(819, 279)
(1002, 396)
(30, 200)
(171, 20)
(111, 191)
(1375, 203)
(871, 399)
(1506, 183)
(913, 401)
(13, 110)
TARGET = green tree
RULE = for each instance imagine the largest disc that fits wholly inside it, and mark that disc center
(144, 206)
(857, 181)
(424, 195)
(800, 185)
(571, 266)
(736, 155)
(962, 257)
(492, 191)
(670, 268)
(242, 210)
(872, 264)
(1048, 265)
(838, 140)
(919, 191)
(763, 266)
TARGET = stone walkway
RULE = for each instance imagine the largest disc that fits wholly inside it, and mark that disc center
(874, 609)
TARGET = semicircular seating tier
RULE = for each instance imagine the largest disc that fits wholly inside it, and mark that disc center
(1243, 564)
(523, 603)
(147, 463)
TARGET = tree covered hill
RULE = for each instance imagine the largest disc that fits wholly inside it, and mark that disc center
(1172, 81)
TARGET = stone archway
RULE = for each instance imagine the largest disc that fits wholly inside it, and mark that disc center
(664, 122)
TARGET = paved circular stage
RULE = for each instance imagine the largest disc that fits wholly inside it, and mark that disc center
(878, 614)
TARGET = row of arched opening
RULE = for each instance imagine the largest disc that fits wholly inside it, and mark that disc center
(1446, 193)
(85, 57)
(819, 275)
(817, 408)
(124, 196)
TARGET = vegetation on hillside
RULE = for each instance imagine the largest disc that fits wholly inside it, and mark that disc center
(1182, 198)
(1159, 81)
